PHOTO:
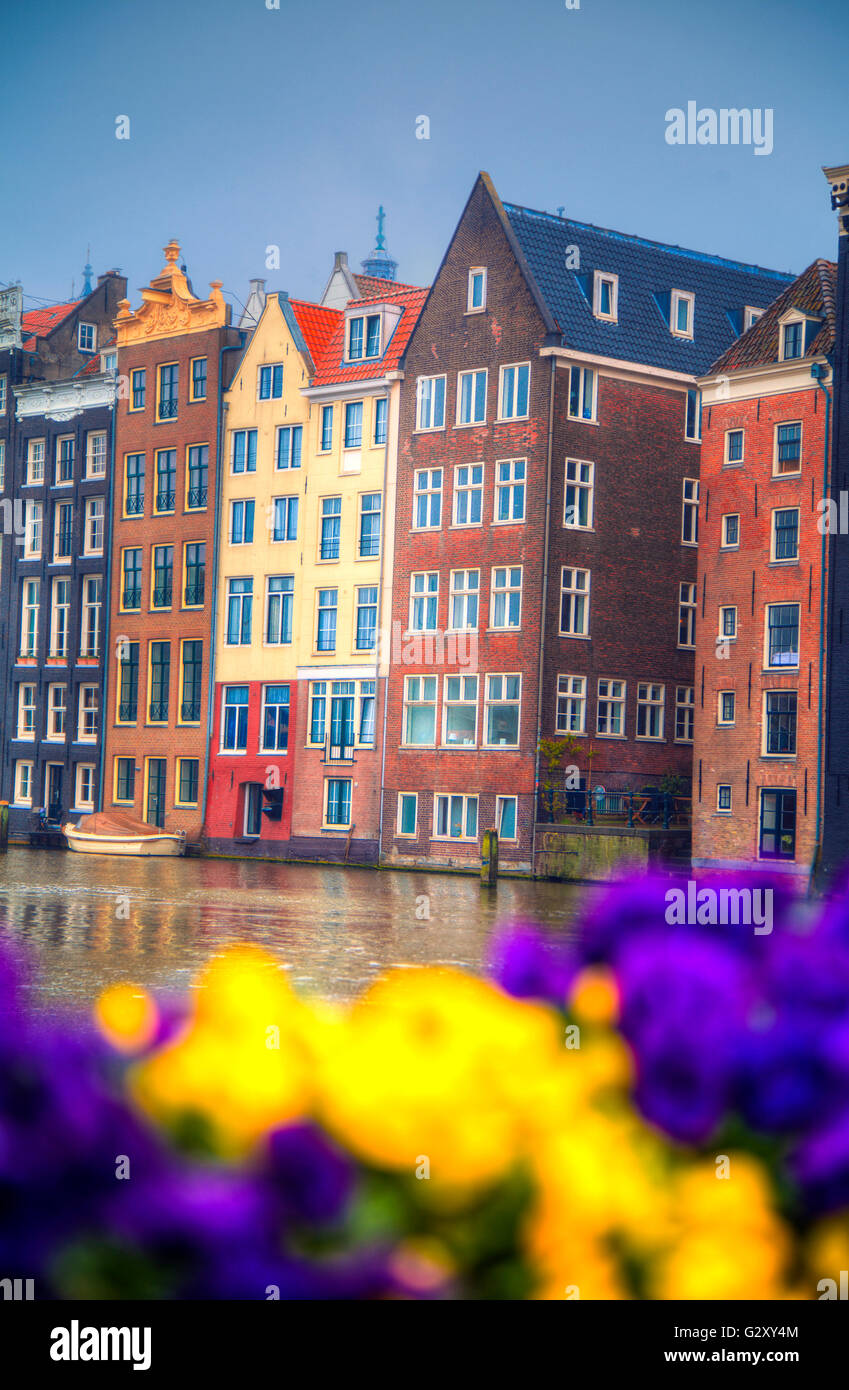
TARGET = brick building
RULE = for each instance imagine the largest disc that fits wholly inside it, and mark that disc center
(173, 355)
(762, 586)
(546, 525)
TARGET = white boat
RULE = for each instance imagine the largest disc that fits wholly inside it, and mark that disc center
(114, 832)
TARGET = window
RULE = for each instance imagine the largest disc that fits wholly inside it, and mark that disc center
(380, 415)
(792, 340)
(155, 776)
(501, 711)
(239, 612)
(92, 604)
(510, 489)
(194, 587)
(26, 712)
(23, 784)
(785, 534)
(476, 296)
(693, 416)
(338, 802)
(407, 818)
(3, 393)
(363, 337)
(87, 337)
(197, 476)
(651, 704)
(163, 576)
(95, 459)
(325, 640)
(463, 604)
(134, 489)
(59, 617)
(471, 398)
(94, 513)
(252, 823)
(138, 388)
(87, 714)
(30, 598)
(35, 461)
(420, 711)
(326, 429)
(582, 393)
(505, 817)
(367, 711)
(279, 603)
(734, 443)
(197, 384)
(285, 519)
(289, 443)
(353, 425)
(166, 480)
(242, 522)
(782, 625)
(318, 707)
(750, 316)
(128, 684)
(578, 495)
(187, 781)
(270, 382)
(506, 601)
(686, 615)
(64, 460)
(777, 838)
(234, 719)
(191, 678)
(605, 295)
(160, 680)
(366, 634)
(788, 448)
(427, 499)
(455, 818)
(681, 314)
(610, 709)
(574, 603)
(515, 391)
(685, 706)
(723, 798)
(725, 711)
(33, 515)
(331, 528)
(342, 719)
(690, 511)
(459, 711)
(63, 530)
(571, 717)
(369, 542)
(730, 531)
(131, 580)
(424, 601)
(468, 494)
(780, 722)
(244, 451)
(430, 403)
(275, 718)
(125, 780)
(2, 457)
(168, 377)
(57, 710)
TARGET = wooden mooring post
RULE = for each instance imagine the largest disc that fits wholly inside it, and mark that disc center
(4, 826)
(489, 859)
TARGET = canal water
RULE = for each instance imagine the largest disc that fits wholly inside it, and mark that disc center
(89, 921)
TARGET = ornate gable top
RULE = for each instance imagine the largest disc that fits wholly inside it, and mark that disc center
(169, 308)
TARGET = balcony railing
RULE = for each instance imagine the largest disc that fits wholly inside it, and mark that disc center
(648, 806)
(162, 594)
(131, 598)
(198, 496)
(127, 712)
(168, 408)
(158, 712)
(135, 504)
(165, 501)
(338, 752)
(190, 711)
(194, 595)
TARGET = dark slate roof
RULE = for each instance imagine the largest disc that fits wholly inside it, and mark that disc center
(648, 271)
(814, 293)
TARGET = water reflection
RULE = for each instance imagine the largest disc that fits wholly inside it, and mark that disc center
(93, 920)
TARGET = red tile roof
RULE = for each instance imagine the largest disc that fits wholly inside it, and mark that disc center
(317, 324)
(375, 287)
(332, 369)
(814, 292)
(38, 323)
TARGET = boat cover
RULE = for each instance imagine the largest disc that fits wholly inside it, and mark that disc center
(116, 823)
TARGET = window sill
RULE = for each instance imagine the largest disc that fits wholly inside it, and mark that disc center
(470, 424)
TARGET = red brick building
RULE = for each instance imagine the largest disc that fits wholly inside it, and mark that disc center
(762, 586)
(546, 527)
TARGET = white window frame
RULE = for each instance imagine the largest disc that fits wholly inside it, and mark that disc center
(576, 593)
(423, 596)
(462, 700)
(91, 525)
(57, 712)
(724, 810)
(500, 803)
(30, 616)
(727, 608)
(649, 700)
(722, 722)
(429, 428)
(429, 492)
(23, 797)
(24, 708)
(466, 799)
(790, 321)
(608, 697)
(91, 455)
(81, 802)
(782, 665)
(601, 277)
(71, 459)
(475, 272)
(420, 700)
(400, 833)
(773, 535)
(473, 372)
(682, 297)
(82, 324)
(690, 510)
(728, 461)
(787, 472)
(511, 586)
(690, 605)
(33, 530)
(55, 609)
(459, 597)
(491, 702)
(502, 391)
(87, 705)
(514, 486)
(750, 316)
(468, 489)
(724, 542)
(591, 419)
(35, 462)
(572, 690)
(582, 483)
(688, 704)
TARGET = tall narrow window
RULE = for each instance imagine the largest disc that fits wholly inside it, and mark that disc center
(326, 620)
(63, 530)
(160, 678)
(427, 499)
(502, 710)
(95, 463)
(424, 601)
(198, 477)
(430, 403)
(610, 709)
(275, 718)
(239, 612)
(30, 599)
(289, 443)
(471, 398)
(285, 519)
(510, 489)
(571, 705)
(194, 591)
(331, 528)
(366, 634)
(788, 448)
(326, 428)
(690, 511)
(94, 514)
(169, 391)
(65, 460)
(782, 621)
(353, 425)
(574, 603)
(785, 534)
(280, 599)
(138, 387)
(468, 494)
(244, 451)
(134, 490)
(369, 543)
(131, 581)
(687, 615)
(191, 677)
(128, 683)
(242, 522)
(59, 618)
(582, 393)
(166, 480)
(234, 719)
(693, 415)
(92, 595)
(685, 708)
(198, 381)
(163, 576)
(465, 594)
(650, 710)
(515, 391)
(380, 413)
(578, 495)
(506, 609)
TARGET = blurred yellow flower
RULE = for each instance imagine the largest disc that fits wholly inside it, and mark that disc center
(127, 1017)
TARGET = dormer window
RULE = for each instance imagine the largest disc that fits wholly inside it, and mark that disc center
(605, 296)
(363, 337)
(109, 362)
(681, 314)
(86, 337)
(477, 290)
(792, 340)
(750, 316)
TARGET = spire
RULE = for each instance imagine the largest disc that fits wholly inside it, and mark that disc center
(87, 272)
(380, 264)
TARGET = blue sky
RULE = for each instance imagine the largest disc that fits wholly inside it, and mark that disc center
(252, 127)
